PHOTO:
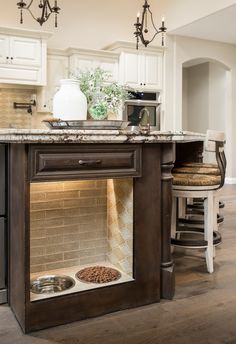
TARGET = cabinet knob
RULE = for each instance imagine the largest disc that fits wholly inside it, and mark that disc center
(144, 84)
(7, 57)
(11, 58)
(141, 83)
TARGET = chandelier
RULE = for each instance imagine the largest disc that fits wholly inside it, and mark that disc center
(45, 8)
(142, 27)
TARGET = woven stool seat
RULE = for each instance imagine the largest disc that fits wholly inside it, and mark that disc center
(199, 164)
(197, 170)
(187, 179)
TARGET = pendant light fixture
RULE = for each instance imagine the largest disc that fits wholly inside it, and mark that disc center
(45, 7)
(142, 27)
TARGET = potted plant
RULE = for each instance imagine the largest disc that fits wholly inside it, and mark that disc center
(102, 97)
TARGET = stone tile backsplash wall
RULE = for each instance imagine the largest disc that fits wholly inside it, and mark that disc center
(81, 222)
(68, 224)
(120, 223)
(10, 117)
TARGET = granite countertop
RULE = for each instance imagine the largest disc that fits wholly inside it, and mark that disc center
(32, 135)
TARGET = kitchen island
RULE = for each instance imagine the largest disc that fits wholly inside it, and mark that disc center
(122, 181)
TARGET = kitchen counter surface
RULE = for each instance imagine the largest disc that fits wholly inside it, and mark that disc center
(20, 135)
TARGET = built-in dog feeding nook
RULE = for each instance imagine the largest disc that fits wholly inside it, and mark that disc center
(81, 235)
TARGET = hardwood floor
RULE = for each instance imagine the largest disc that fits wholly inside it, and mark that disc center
(203, 310)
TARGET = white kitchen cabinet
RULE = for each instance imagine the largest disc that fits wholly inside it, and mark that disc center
(140, 69)
(88, 59)
(22, 58)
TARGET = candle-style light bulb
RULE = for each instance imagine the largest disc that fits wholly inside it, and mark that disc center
(138, 16)
(163, 21)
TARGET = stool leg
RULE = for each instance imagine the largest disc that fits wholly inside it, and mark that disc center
(208, 229)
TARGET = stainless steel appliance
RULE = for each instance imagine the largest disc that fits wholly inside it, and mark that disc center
(3, 240)
(143, 107)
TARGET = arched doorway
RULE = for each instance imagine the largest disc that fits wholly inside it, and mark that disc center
(206, 88)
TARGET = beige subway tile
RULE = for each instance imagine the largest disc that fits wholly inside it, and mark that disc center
(74, 229)
(101, 242)
(88, 236)
(86, 219)
(62, 195)
(37, 268)
(101, 250)
(37, 242)
(100, 234)
(84, 244)
(79, 254)
(78, 185)
(65, 247)
(54, 266)
(93, 260)
(37, 215)
(47, 205)
(46, 187)
(70, 263)
(50, 258)
(102, 201)
(39, 233)
(101, 183)
(46, 241)
(80, 202)
(93, 193)
(83, 228)
(71, 221)
(37, 251)
(46, 223)
(54, 231)
(72, 212)
(51, 214)
(71, 237)
(37, 196)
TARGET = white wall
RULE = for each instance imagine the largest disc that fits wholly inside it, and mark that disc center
(196, 98)
(182, 12)
(217, 97)
(87, 24)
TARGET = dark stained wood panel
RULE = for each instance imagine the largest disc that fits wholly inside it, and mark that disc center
(63, 162)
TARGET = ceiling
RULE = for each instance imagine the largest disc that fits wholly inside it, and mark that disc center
(219, 26)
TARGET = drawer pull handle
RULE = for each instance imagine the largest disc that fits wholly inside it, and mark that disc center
(89, 162)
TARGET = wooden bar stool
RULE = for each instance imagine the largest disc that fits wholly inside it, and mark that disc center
(201, 186)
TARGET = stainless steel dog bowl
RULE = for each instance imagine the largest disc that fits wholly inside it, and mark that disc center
(51, 284)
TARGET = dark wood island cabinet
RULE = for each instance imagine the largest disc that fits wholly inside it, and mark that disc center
(128, 184)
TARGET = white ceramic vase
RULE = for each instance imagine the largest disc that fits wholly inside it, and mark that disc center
(69, 103)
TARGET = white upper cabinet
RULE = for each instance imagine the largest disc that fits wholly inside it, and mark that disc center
(88, 59)
(25, 51)
(140, 69)
(23, 56)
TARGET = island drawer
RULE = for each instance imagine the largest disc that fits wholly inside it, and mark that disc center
(84, 161)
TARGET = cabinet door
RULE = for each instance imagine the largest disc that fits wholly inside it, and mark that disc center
(25, 51)
(153, 70)
(4, 48)
(131, 69)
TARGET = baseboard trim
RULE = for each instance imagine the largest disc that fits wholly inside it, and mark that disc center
(230, 181)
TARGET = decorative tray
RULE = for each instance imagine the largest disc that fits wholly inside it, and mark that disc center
(86, 125)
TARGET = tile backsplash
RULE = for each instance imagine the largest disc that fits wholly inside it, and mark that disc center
(10, 117)
(81, 222)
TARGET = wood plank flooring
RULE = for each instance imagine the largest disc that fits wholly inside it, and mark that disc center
(203, 310)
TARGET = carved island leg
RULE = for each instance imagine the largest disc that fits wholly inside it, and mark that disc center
(167, 265)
